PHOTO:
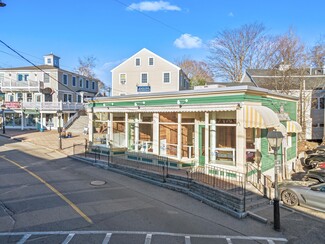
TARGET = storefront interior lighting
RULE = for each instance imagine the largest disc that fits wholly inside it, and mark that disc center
(139, 104)
(181, 102)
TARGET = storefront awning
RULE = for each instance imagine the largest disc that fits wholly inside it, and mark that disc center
(282, 129)
(260, 117)
(293, 127)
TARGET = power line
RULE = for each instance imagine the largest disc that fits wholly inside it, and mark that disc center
(20, 55)
(150, 17)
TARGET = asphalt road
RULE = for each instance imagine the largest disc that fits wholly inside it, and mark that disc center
(48, 198)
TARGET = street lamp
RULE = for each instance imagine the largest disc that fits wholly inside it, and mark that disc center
(3, 107)
(59, 113)
(275, 139)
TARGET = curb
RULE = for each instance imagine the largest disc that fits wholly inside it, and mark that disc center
(257, 217)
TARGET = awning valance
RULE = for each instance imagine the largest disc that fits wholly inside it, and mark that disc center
(293, 127)
(260, 117)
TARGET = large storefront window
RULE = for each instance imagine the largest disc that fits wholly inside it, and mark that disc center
(168, 134)
(146, 133)
(119, 131)
(100, 127)
(188, 139)
(13, 119)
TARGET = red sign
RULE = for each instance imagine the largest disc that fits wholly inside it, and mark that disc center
(12, 104)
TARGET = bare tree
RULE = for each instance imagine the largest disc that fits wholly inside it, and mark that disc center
(317, 53)
(86, 68)
(198, 72)
(234, 50)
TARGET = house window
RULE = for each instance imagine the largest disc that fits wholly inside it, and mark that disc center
(137, 62)
(122, 79)
(87, 84)
(46, 78)
(74, 81)
(19, 97)
(166, 77)
(289, 141)
(49, 61)
(29, 97)
(22, 77)
(38, 98)
(144, 78)
(79, 98)
(81, 82)
(11, 98)
(321, 103)
(93, 85)
(65, 79)
(150, 61)
(67, 98)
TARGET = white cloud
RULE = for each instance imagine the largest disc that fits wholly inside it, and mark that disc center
(188, 41)
(231, 14)
(153, 6)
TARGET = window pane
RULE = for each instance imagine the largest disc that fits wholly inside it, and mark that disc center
(166, 77)
(144, 78)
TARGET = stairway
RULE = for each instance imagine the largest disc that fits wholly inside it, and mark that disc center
(78, 125)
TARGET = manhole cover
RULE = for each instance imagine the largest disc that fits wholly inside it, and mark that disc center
(97, 183)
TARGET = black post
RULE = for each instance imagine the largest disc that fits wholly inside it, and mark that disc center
(3, 122)
(276, 201)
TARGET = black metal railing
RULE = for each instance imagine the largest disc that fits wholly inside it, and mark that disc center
(224, 179)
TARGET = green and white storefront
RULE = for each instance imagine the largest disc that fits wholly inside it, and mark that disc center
(225, 127)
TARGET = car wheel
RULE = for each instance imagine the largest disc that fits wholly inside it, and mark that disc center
(289, 198)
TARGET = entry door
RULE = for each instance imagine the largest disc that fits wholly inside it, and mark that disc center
(201, 145)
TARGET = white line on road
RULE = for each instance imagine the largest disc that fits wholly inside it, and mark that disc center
(148, 239)
(24, 238)
(107, 238)
(228, 240)
(68, 239)
(187, 240)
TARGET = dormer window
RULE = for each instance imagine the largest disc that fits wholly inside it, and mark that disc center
(49, 61)
(137, 62)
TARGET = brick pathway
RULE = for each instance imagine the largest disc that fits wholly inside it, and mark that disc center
(49, 139)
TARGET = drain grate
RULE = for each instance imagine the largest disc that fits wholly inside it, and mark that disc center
(97, 182)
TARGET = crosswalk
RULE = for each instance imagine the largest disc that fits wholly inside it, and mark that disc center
(107, 237)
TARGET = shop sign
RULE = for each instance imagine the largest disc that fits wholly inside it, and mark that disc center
(12, 104)
(226, 121)
(143, 88)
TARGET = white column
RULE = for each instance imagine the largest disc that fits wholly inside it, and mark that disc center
(110, 128)
(155, 136)
(240, 140)
(136, 133)
(41, 125)
(196, 140)
(179, 136)
(90, 126)
(22, 120)
(126, 130)
(213, 134)
(206, 132)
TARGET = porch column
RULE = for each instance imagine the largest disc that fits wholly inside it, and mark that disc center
(136, 133)
(206, 141)
(126, 130)
(213, 135)
(41, 122)
(22, 120)
(240, 140)
(90, 125)
(155, 136)
(179, 136)
(110, 135)
(196, 140)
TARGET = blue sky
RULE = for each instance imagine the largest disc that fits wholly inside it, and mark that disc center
(113, 30)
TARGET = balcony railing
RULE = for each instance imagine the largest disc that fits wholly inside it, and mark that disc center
(21, 85)
(52, 106)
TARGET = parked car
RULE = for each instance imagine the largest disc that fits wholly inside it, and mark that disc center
(321, 165)
(312, 196)
(313, 160)
(319, 150)
(317, 174)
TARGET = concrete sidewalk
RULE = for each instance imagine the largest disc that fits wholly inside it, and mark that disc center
(48, 139)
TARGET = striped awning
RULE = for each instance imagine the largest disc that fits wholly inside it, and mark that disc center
(282, 129)
(293, 127)
(260, 117)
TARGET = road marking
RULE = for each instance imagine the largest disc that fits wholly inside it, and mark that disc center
(68, 239)
(228, 240)
(99, 232)
(148, 239)
(71, 204)
(107, 238)
(24, 239)
(187, 240)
